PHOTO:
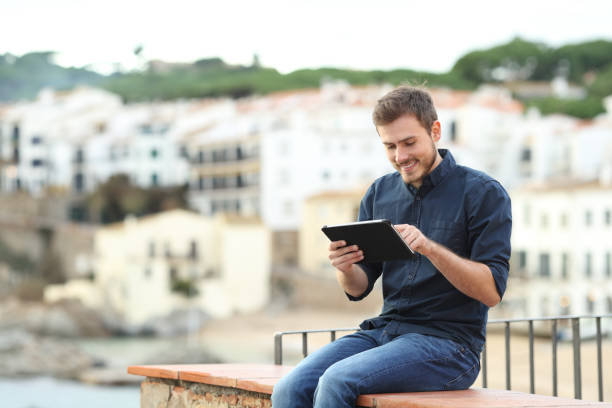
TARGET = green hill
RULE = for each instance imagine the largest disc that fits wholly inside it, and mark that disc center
(587, 64)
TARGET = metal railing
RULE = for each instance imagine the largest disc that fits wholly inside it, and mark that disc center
(555, 334)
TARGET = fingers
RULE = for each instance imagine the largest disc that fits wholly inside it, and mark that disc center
(336, 244)
(336, 251)
(342, 256)
(412, 236)
(346, 261)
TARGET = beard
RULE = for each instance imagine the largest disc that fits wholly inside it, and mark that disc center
(423, 167)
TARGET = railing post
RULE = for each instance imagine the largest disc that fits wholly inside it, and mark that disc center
(278, 348)
(484, 365)
(599, 359)
(577, 368)
(554, 357)
(531, 360)
(507, 334)
(305, 344)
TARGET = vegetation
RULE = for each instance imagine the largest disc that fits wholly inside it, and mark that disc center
(22, 77)
(118, 198)
(185, 287)
(587, 64)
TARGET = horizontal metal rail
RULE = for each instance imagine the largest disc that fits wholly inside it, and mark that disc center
(572, 321)
(278, 340)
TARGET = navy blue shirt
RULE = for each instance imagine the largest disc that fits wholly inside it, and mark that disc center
(466, 211)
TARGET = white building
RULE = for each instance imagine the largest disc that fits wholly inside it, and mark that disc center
(149, 267)
(282, 148)
(38, 139)
(76, 140)
(561, 250)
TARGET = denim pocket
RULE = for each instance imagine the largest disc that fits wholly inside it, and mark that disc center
(464, 380)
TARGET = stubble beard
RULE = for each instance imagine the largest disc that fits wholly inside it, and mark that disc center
(427, 168)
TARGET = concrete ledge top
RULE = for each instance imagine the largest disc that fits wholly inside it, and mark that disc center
(249, 377)
(262, 377)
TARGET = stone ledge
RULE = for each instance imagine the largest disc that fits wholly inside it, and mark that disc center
(250, 386)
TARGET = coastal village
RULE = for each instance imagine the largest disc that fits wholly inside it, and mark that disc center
(261, 175)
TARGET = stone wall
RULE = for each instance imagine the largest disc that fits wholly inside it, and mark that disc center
(160, 393)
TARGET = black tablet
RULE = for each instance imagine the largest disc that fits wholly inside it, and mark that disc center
(378, 240)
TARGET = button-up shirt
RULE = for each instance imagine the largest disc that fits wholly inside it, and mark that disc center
(466, 211)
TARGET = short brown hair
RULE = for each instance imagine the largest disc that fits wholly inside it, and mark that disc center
(405, 100)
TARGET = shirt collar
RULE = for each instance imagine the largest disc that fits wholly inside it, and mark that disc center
(439, 173)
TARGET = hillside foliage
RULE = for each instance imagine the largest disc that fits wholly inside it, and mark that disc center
(586, 64)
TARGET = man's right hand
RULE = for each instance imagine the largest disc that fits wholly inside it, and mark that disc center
(343, 257)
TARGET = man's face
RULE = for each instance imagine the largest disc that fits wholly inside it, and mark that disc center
(410, 148)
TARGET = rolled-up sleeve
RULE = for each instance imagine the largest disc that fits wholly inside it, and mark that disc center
(372, 270)
(489, 230)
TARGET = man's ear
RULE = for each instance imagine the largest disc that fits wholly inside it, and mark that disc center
(436, 131)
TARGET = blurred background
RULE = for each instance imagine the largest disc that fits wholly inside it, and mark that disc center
(165, 170)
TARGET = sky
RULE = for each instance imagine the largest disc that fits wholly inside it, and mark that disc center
(289, 35)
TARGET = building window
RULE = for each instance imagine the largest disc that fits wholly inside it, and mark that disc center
(193, 250)
(608, 265)
(588, 218)
(154, 179)
(79, 156)
(201, 158)
(37, 163)
(453, 131)
(526, 155)
(184, 152)
(151, 249)
(200, 183)
(154, 153)
(16, 133)
(609, 304)
(564, 265)
(588, 267)
(544, 265)
(522, 259)
(36, 140)
(608, 217)
(79, 182)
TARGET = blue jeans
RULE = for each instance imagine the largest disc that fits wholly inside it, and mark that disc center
(373, 362)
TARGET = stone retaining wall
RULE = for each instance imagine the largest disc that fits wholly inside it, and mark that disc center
(161, 393)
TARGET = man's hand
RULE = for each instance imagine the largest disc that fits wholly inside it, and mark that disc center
(343, 257)
(414, 238)
(351, 277)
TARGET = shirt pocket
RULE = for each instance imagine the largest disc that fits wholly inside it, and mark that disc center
(451, 234)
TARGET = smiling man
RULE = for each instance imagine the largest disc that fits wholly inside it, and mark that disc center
(431, 330)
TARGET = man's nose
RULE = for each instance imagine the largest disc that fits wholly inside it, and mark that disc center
(401, 154)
